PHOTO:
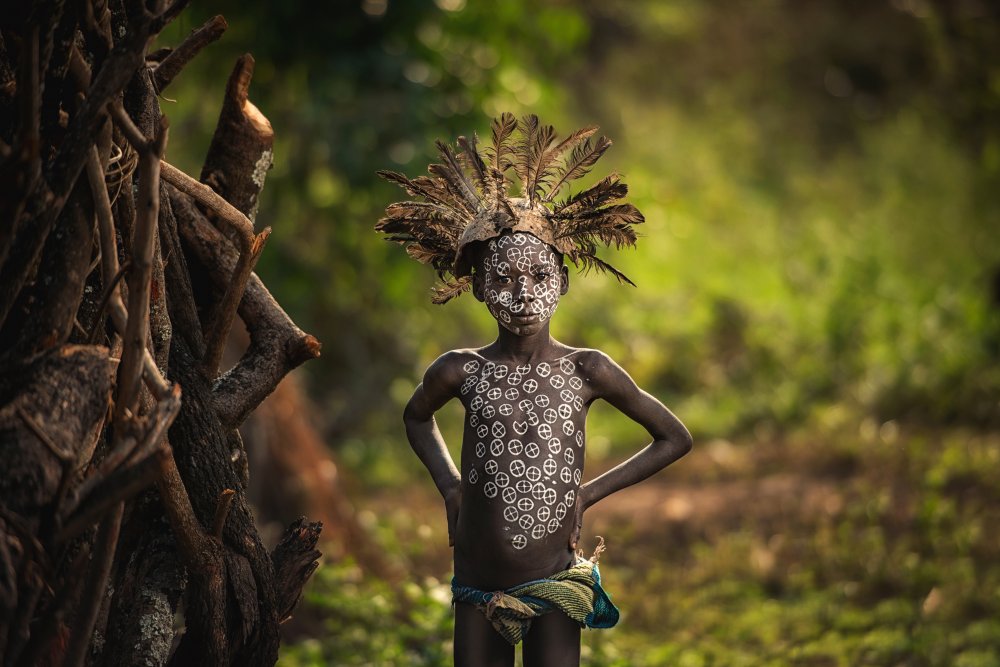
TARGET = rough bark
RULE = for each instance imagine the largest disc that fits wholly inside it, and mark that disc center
(118, 453)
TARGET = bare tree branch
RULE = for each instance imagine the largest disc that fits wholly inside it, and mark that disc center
(97, 581)
(175, 61)
(137, 330)
(110, 270)
(277, 345)
(116, 487)
(250, 248)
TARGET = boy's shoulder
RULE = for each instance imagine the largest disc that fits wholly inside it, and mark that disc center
(589, 361)
(469, 359)
(453, 366)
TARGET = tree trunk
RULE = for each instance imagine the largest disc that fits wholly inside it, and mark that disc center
(123, 491)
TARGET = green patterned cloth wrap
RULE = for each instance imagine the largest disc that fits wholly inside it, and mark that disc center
(576, 592)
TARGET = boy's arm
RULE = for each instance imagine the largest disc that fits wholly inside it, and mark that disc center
(438, 387)
(671, 439)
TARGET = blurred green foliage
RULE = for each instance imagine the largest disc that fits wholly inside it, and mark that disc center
(895, 563)
(819, 275)
(816, 178)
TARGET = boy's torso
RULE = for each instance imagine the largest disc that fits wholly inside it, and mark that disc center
(522, 465)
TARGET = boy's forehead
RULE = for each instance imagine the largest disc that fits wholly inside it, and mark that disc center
(515, 247)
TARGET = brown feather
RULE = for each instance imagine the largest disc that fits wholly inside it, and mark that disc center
(502, 152)
(451, 289)
(474, 161)
(579, 162)
(607, 190)
(455, 176)
(523, 160)
(429, 188)
(420, 253)
(592, 262)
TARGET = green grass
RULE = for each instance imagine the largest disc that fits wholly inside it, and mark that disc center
(900, 566)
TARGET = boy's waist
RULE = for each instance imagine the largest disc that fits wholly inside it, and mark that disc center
(494, 564)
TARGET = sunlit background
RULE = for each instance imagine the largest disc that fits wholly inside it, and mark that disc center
(818, 299)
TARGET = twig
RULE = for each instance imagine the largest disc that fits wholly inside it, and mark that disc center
(105, 218)
(49, 197)
(26, 143)
(128, 128)
(110, 290)
(250, 247)
(195, 546)
(203, 556)
(222, 512)
(218, 332)
(175, 61)
(31, 547)
(29, 590)
(109, 267)
(45, 628)
(56, 450)
(97, 581)
(137, 329)
(116, 487)
(277, 344)
(208, 197)
(175, 8)
(128, 448)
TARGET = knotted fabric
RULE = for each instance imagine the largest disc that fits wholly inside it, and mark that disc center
(576, 592)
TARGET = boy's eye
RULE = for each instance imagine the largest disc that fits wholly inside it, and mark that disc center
(503, 280)
(543, 275)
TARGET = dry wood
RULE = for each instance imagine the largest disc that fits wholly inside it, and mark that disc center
(241, 151)
(277, 345)
(97, 581)
(140, 272)
(250, 248)
(170, 66)
(110, 270)
(71, 461)
(295, 559)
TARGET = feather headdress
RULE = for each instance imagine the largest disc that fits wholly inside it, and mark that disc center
(465, 199)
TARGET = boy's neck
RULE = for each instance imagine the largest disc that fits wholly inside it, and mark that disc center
(522, 349)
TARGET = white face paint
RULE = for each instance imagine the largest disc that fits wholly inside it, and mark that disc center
(522, 282)
(528, 454)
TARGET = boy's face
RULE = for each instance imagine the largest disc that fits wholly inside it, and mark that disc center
(521, 282)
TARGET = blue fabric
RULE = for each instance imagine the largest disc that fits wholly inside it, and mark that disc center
(576, 591)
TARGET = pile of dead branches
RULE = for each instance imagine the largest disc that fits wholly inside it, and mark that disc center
(122, 474)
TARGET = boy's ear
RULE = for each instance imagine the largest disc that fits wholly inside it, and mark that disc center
(564, 272)
(477, 286)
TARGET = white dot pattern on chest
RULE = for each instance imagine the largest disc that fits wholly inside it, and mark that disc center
(529, 448)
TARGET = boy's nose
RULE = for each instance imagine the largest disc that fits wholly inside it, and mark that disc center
(524, 293)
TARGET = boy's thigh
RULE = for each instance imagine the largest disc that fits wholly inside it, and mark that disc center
(477, 643)
(552, 641)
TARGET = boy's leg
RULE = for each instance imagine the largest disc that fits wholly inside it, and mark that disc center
(477, 644)
(552, 641)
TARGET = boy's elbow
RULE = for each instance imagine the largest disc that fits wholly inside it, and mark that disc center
(416, 412)
(410, 414)
(685, 442)
(680, 443)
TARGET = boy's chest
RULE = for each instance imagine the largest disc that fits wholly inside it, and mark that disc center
(525, 442)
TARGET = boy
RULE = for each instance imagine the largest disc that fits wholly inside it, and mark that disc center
(516, 508)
